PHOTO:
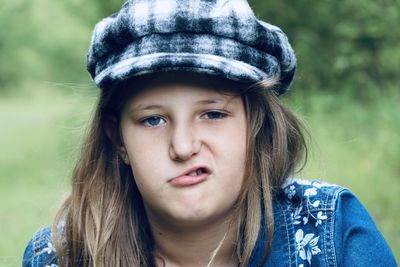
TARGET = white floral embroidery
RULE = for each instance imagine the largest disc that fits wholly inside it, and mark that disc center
(49, 249)
(306, 219)
(316, 203)
(290, 191)
(310, 192)
(307, 245)
(296, 217)
(320, 217)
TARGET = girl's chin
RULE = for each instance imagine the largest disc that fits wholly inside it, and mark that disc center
(195, 218)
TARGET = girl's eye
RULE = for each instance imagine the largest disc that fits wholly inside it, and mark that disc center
(153, 121)
(214, 115)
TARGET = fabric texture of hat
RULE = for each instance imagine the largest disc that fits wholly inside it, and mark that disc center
(219, 37)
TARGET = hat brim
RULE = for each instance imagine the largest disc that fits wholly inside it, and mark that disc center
(158, 62)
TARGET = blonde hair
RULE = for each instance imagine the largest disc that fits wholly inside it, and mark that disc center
(104, 217)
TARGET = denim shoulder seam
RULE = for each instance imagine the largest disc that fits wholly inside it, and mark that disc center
(333, 229)
(287, 233)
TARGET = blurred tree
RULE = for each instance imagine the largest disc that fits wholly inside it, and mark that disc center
(11, 41)
(340, 44)
(40, 42)
(91, 11)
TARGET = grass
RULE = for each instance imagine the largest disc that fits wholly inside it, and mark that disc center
(39, 138)
(354, 144)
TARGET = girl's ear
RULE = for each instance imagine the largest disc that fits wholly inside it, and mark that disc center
(111, 129)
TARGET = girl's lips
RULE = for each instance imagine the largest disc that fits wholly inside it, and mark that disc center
(193, 176)
(187, 180)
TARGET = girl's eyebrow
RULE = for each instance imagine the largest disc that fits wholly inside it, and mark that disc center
(146, 107)
(141, 107)
(209, 101)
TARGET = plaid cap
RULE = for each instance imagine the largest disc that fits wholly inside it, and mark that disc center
(219, 37)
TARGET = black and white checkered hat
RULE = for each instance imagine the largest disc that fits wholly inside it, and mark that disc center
(219, 37)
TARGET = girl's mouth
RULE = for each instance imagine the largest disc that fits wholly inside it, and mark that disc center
(192, 177)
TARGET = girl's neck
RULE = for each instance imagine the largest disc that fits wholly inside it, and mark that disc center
(195, 246)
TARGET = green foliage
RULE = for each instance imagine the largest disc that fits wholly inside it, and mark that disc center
(341, 45)
(36, 44)
(91, 11)
(10, 57)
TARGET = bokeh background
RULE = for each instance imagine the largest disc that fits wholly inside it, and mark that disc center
(346, 91)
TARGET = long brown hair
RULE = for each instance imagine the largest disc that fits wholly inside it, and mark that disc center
(103, 221)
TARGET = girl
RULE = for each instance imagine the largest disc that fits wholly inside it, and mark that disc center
(189, 155)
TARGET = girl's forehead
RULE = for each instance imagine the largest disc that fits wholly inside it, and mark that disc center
(178, 94)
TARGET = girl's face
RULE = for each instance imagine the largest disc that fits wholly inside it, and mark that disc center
(186, 145)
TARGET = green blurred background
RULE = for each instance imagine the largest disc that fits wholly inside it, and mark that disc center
(346, 91)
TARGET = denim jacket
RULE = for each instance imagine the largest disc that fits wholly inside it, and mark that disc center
(316, 224)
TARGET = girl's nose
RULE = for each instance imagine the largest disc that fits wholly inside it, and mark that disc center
(184, 143)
